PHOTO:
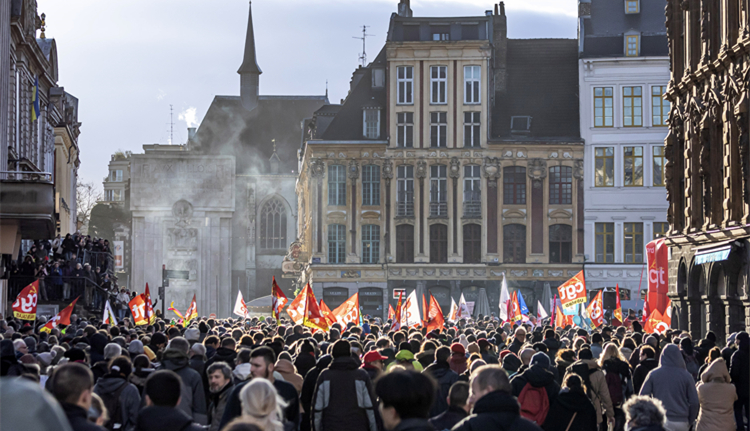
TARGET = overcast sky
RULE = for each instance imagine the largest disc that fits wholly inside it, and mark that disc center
(128, 61)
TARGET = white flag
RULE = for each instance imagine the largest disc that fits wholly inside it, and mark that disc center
(541, 313)
(463, 309)
(109, 315)
(240, 308)
(453, 314)
(504, 299)
(410, 311)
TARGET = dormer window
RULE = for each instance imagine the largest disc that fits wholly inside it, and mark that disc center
(632, 6)
(632, 44)
(371, 123)
(441, 32)
(378, 78)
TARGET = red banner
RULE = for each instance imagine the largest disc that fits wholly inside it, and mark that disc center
(348, 311)
(24, 307)
(278, 301)
(138, 308)
(595, 310)
(657, 253)
(573, 291)
(515, 307)
(435, 319)
(149, 308)
(313, 318)
(62, 318)
(327, 313)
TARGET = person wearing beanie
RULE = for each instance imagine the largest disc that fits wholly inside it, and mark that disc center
(458, 358)
(512, 363)
(135, 348)
(537, 376)
(343, 398)
(193, 335)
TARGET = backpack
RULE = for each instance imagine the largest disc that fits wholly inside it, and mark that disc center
(114, 407)
(614, 384)
(534, 403)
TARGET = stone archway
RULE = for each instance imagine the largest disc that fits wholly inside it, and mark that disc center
(715, 308)
(696, 310)
(680, 318)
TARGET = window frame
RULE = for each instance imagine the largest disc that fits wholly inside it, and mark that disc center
(368, 126)
(663, 162)
(337, 186)
(371, 185)
(561, 185)
(608, 241)
(439, 243)
(472, 243)
(663, 103)
(637, 6)
(472, 85)
(276, 243)
(604, 98)
(438, 129)
(405, 189)
(404, 130)
(518, 189)
(605, 157)
(337, 243)
(438, 190)
(632, 98)
(663, 229)
(371, 242)
(636, 39)
(473, 129)
(515, 243)
(630, 242)
(438, 86)
(405, 85)
(561, 243)
(633, 159)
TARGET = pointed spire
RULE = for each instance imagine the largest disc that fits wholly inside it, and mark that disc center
(249, 63)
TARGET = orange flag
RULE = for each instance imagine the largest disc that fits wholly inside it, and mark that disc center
(391, 312)
(149, 308)
(24, 307)
(397, 318)
(618, 307)
(435, 319)
(313, 318)
(516, 308)
(278, 301)
(595, 310)
(327, 313)
(191, 312)
(296, 309)
(561, 320)
(62, 318)
(138, 308)
(425, 311)
(348, 311)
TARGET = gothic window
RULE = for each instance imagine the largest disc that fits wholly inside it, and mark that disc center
(514, 243)
(405, 243)
(273, 225)
(560, 243)
(439, 243)
(472, 243)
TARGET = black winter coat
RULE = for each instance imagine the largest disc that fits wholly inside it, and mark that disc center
(538, 377)
(496, 411)
(641, 371)
(740, 371)
(156, 418)
(445, 378)
(448, 419)
(77, 417)
(561, 412)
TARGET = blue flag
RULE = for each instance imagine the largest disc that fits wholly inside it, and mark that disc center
(522, 304)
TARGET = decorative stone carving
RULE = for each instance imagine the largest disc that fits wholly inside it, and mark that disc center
(374, 274)
(429, 272)
(396, 271)
(462, 272)
(342, 156)
(443, 155)
(387, 170)
(590, 273)
(491, 170)
(182, 237)
(365, 154)
(553, 155)
(433, 154)
(519, 272)
(409, 154)
(353, 169)
(555, 273)
(578, 169)
(421, 170)
(446, 272)
(614, 273)
(538, 273)
(537, 169)
(572, 273)
(496, 273)
(351, 274)
(317, 168)
(455, 169)
(521, 155)
(412, 272)
(480, 272)
(508, 154)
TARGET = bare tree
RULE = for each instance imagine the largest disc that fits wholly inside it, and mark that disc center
(86, 197)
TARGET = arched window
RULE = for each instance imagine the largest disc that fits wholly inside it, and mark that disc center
(273, 225)
(560, 243)
(514, 243)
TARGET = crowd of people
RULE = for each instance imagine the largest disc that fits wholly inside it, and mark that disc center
(66, 268)
(262, 375)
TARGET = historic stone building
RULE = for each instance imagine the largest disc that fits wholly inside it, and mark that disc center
(456, 158)
(38, 132)
(623, 74)
(707, 165)
(223, 206)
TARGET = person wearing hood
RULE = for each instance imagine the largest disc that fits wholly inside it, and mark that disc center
(285, 367)
(405, 400)
(115, 390)
(343, 398)
(717, 395)
(494, 408)
(405, 358)
(193, 398)
(97, 341)
(308, 389)
(739, 369)
(241, 371)
(220, 386)
(572, 409)
(162, 395)
(538, 375)
(647, 362)
(441, 371)
(673, 385)
(458, 358)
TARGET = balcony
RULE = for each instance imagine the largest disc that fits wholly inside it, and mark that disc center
(438, 209)
(405, 204)
(28, 199)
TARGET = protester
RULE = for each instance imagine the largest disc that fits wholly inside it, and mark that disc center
(647, 363)
(619, 380)
(72, 386)
(163, 395)
(121, 398)
(595, 383)
(373, 363)
(740, 372)
(572, 409)
(536, 389)
(458, 409)
(445, 377)
(175, 358)
(262, 406)
(405, 400)
(645, 414)
(717, 395)
(220, 386)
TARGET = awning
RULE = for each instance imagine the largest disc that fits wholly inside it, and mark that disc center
(714, 252)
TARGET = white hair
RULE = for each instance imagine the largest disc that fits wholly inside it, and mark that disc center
(112, 350)
(262, 405)
(641, 411)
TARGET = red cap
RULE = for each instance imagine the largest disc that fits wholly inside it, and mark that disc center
(458, 348)
(373, 356)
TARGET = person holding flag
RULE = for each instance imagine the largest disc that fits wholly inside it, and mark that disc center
(278, 301)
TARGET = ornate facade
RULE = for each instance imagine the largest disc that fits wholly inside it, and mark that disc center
(442, 171)
(707, 165)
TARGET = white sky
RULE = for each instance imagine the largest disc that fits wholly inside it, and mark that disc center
(127, 61)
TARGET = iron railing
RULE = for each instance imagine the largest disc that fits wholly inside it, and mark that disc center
(61, 288)
(472, 204)
(40, 177)
(405, 204)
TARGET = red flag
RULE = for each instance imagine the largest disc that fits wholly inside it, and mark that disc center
(330, 318)
(313, 318)
(138, 308)
(425, 310)
(149, 308)
(646, 312)
(348, 311)
(516, 307)
(435, 319)
(396, 325)
(62, 318)
(573, 291)
(391, 312)
(595, 310)
(24, 307)
(278, 301)
(618, 306)
(561, 320)
(191, 312)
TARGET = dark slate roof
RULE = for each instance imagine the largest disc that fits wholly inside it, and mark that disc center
(46, 46)
(410, 29)
(542, 82)
(230, 129)
(605, 29)
(347, 125)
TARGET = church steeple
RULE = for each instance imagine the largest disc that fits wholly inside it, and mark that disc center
(249, 71)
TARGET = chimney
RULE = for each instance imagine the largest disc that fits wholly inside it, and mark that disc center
(404, 10)
(191, 133)
(500, 47)
(249, 70)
